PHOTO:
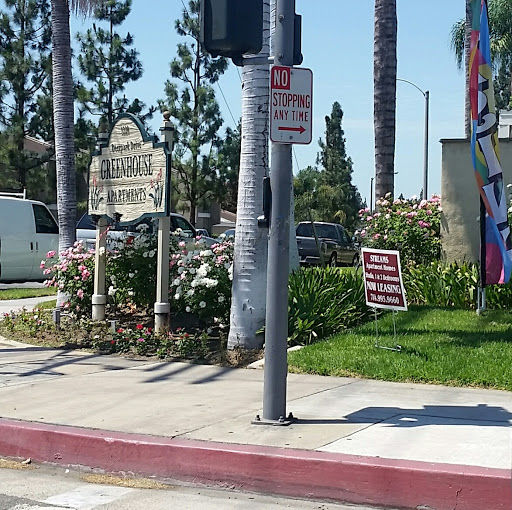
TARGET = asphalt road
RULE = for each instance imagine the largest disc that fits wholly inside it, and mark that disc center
(42, 488)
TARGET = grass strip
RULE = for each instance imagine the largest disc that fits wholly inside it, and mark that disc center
(441, 346)
(22, 293)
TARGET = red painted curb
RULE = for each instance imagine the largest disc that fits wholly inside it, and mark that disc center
(298, 473)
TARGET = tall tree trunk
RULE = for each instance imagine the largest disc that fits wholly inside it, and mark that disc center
(384, 77)
(467, 54)
(250, 259)
(63, 105)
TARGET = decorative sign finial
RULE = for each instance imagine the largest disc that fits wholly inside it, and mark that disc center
(167, 115)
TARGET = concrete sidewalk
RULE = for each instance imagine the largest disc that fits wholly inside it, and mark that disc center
(16, 304)
(360, 441)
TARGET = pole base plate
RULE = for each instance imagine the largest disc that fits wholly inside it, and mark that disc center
(282, 422)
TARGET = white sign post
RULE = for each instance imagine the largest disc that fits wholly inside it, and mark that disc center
(291, 105)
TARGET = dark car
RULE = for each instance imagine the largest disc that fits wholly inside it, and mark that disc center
(86, 231)
(337, 247)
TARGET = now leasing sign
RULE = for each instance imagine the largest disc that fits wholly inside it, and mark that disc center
(383, 285)
(291, 105)
(129, 176)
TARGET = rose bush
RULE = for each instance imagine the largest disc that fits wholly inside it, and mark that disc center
(200, 280)
(72, 274)
(131, 269)
(409, 226)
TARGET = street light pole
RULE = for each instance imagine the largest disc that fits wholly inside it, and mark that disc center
(425, 164)
(426, 95)
(371, 194)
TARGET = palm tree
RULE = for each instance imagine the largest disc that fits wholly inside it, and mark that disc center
(250, 259)
(500, 21)
(63, 111)
(384, 79)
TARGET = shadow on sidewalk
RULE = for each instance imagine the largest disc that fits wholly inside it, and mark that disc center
(486, 416)
(52, 359)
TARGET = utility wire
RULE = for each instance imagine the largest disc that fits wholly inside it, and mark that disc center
(227, 104)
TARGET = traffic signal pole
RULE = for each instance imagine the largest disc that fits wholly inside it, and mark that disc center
(276, 328)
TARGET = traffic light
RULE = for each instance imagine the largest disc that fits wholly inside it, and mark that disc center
(232, 28)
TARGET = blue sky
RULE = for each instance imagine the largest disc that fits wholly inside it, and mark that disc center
(338, 46)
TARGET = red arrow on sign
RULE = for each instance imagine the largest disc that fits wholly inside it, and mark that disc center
(298, 129)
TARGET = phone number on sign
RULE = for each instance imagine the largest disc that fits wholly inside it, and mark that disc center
(386, 300)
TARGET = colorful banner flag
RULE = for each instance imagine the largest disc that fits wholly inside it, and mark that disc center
(497, 248)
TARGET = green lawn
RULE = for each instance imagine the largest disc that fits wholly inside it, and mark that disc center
(26, 293)
(451, 347)
(48, 305)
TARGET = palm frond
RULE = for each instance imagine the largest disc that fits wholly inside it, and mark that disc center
(83, 7)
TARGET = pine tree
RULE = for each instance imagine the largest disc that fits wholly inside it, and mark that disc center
(108, 60)
(339, 199)
(228, 164)
(196, 112)
(25, 67)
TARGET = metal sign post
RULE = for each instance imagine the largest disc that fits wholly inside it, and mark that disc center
(276, 328)
(383, 286)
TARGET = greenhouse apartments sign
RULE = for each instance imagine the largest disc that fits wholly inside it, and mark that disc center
(129, 175)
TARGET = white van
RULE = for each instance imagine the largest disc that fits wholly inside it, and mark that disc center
(28, 231)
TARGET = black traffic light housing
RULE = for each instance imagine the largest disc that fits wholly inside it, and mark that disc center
(231, 28)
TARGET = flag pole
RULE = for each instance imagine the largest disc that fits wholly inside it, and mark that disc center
(481, 305)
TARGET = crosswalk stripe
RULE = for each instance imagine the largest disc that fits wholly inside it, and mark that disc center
(31, 507)
(88, 497)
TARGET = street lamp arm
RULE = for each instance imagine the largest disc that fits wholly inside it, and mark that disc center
(413, 84)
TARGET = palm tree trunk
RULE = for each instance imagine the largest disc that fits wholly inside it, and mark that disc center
(467, 53)
(250, 258)
(384, 76)
(63, 104)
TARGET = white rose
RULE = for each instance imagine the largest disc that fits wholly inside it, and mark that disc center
(176, 282)
(176, 296)
(202, 304)
(187, 309)
(221, 299)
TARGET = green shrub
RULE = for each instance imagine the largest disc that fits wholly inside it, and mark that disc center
(323, 302)
(452, 285)
(441, 284)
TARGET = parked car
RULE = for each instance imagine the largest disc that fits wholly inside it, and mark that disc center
(230, 232)
(86, 231)
(28, 231)
(336, 245)
(202, 232)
